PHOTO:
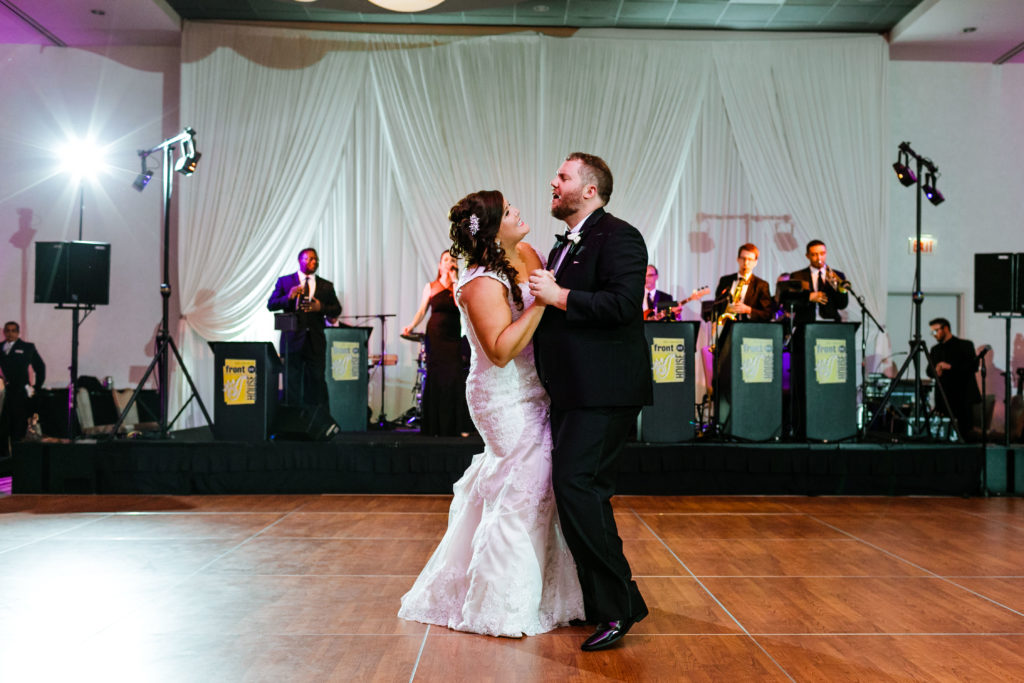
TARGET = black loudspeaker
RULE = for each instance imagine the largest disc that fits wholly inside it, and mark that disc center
(998, 283)
(72, 273)
(303, 424)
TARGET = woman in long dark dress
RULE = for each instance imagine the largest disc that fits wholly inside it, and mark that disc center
(444, 392)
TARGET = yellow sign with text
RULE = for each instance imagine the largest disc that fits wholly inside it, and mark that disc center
(344, 361)
(239, 382)
(668, 359)
(830, 361)
(757, 360)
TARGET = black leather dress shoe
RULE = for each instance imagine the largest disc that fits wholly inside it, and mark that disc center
(582, 622)
(610, 632)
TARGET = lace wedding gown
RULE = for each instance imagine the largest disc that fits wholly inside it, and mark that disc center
(502, 568)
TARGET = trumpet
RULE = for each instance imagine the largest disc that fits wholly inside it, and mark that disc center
(834, 281)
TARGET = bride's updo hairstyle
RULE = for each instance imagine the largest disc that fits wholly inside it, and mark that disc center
(475, 221)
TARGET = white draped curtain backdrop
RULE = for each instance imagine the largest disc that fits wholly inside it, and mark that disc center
(358, 144)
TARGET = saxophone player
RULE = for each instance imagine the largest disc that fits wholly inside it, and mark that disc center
(744, 295)
(826, 293)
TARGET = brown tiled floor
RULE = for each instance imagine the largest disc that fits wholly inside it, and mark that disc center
(305, 588)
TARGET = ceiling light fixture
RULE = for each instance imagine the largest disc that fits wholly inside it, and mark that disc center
(406, 5)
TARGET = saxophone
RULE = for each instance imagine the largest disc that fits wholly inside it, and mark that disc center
(735, 299)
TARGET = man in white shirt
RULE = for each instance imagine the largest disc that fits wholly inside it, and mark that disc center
(16, 357)
(311, 299)
(825, 293)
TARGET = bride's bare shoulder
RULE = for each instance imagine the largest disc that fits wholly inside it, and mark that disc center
(531, 257)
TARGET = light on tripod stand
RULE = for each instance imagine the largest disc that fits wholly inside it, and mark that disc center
(903, 171)
(82, 158)
(930, 191)
(145, 176)
(186, 164)
(142, 180)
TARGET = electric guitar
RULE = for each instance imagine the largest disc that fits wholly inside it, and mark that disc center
(659, 310)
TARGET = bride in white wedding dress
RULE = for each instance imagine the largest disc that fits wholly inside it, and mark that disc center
(502, 568)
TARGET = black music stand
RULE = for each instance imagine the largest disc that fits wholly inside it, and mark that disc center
(382, 420)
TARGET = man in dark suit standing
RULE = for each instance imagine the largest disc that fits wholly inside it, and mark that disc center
(16, 357)
(592, 358)
(954, 363)
(824, 287)
(742, 295)
(311, 299)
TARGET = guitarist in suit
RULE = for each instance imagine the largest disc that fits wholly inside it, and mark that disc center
(16, 357)
(744, 295)
(593, 360)
(653, 297)
(312, 299)
(824, 286)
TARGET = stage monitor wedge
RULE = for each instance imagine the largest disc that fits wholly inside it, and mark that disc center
(72, 273)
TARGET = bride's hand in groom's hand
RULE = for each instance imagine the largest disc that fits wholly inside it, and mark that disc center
(545, 290)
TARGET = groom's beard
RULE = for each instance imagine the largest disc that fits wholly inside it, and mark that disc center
(567, 205)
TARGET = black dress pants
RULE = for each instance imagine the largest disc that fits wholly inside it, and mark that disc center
(584, 461)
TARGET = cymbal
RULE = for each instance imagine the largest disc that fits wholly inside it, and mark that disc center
(413, 336)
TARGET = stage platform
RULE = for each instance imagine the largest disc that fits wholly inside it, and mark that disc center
(407, 463)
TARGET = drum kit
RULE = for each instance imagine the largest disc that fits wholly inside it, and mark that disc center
(413, 416)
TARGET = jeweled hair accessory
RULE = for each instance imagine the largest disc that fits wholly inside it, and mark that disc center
(474, 224)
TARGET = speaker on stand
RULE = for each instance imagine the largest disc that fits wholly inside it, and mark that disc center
(999, 291)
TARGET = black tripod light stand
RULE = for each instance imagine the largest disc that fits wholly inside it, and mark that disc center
(186, 165)
(925, 187)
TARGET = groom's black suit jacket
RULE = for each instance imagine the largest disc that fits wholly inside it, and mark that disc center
(594, 353)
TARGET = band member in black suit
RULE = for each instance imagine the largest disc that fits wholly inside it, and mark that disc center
(592, 358)
(16, 357)
(743, 295)
(825, 293)
(653, 297)
(312, 299)
(954, 363)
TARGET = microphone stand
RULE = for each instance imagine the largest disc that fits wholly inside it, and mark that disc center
(864, 352)
(984, 422)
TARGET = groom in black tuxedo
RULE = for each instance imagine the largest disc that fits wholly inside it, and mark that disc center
(592, 358)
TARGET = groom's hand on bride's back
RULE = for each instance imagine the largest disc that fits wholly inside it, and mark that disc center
(545, 290)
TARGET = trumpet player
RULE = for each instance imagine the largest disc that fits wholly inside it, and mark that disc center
(744, 295)
(826, 292)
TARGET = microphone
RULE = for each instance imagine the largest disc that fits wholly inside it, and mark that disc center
(983, 350)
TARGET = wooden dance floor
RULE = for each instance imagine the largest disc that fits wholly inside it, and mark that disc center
(306, 587)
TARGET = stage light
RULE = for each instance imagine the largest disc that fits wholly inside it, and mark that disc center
(82, 158)
(145, 175)
(930, 191)
(142, 180)
(903, 171)
(186, 164)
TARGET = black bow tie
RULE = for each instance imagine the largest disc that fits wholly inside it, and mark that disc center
(562, 238)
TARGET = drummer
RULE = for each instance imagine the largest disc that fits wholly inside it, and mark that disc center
(444, 392)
